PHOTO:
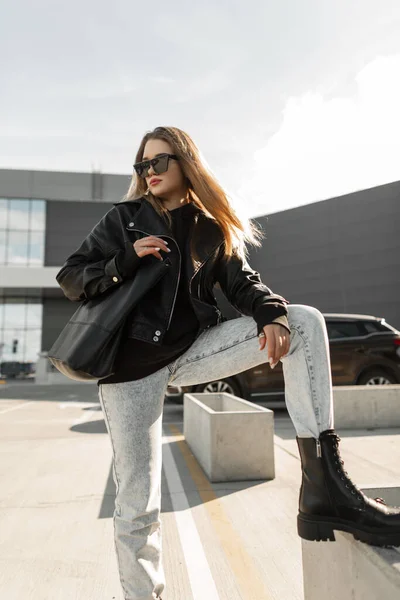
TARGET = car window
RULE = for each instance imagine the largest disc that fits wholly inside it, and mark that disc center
(342, 329)
(375, 327)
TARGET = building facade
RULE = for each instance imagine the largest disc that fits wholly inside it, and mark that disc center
(340, 255)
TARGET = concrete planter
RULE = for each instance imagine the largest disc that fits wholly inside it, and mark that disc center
(232, 439)
(349, 569)
(365, 406)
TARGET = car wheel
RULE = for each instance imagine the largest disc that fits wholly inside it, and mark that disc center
(228, 385)
(376, 377)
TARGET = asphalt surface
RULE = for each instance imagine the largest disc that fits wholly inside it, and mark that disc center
(233, 540)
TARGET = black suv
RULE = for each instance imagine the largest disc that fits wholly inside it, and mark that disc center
(364, 350)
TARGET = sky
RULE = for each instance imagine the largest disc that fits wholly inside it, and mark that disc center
(290, 102)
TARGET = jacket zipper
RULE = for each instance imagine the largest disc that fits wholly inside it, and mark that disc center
(179, 272)
(198, 285)
(177, 284)
(202, 264)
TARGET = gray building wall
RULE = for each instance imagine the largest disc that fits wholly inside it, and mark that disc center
(67, 225)
(62, 185)
(339, 255)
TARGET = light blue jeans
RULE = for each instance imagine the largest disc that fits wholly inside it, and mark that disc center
(133, 414)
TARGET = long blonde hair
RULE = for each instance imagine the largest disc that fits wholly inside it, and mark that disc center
(203, 189)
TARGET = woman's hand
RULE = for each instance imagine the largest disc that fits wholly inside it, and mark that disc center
(150, 245)
(277, 338)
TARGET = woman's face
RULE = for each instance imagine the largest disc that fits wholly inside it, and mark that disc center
(171, 183)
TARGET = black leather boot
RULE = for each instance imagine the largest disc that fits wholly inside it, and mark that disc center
(329, 500)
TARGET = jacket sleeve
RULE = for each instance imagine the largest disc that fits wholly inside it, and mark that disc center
(282, 320)
(244, 289)
(88, 272)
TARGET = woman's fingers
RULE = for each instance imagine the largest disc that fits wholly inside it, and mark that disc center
(262, 341)
(151, 250)
(287, 345)
(277, 339)
(273, 349)
(155, 240)
(150, 245)
(151, 242)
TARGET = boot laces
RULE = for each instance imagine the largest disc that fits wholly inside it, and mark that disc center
(352, 487)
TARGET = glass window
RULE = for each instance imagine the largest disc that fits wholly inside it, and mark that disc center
(13, 344)
(371, 327)
(20, 334)
(36, 249)
(18, 214)
(14, 313)
(18, 248)
(3, 237)
(34, 312)
(375, 327)
(3, 213)
(33, 341)
(22, 231)
(342, 329)
(38, 215)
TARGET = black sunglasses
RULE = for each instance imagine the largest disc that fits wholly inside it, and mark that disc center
(159, 164)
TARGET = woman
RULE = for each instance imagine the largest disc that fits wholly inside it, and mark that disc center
(176, 212)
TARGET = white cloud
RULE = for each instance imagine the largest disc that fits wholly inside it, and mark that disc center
(326, 148)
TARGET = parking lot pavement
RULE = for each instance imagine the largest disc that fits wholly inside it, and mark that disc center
(57, 502)
(19, 389)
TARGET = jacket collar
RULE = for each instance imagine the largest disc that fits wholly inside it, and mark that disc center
(206, 235)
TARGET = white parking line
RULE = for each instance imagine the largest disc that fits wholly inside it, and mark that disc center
(16, 407)
(86, 416)
(200, 576)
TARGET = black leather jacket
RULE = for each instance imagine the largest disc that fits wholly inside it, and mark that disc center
(107, 257)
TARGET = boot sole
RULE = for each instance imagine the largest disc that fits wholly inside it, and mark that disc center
(323, 531)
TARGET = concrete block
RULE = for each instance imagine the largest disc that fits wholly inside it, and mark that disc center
(366, 406)
(42, 369)
(232, 439)
(349, 569)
